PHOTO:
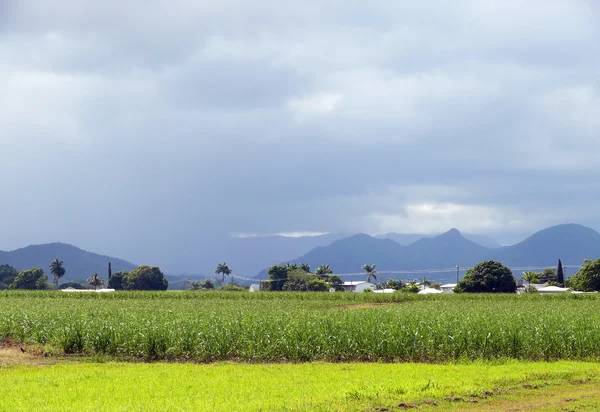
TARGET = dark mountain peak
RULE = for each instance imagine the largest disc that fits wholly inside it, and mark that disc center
(452, 233)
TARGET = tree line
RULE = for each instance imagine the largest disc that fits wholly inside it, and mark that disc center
(142, 278)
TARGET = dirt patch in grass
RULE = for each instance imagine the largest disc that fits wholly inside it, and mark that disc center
(14, 353)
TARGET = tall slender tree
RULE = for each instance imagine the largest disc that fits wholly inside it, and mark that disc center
(58, 270)
(109, 271)
(224, 270)
(560, 278)
(370, 272)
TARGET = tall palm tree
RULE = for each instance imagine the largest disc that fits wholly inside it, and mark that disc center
(370, 272)
(323, 271)
(530, 277)
(95, 280)
(58, 270)
(224, 270)
(305, 267)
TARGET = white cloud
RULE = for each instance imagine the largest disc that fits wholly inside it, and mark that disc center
(431, 218)
(315, 105)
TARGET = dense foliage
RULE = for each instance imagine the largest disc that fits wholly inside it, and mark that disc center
(488, 277)
(145, 278)
(294, 278)
(32, 279)
(587, 279)
(7, 275)
(115, 280)
(306, 326)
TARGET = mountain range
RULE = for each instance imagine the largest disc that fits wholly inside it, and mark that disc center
(345, 254)
(570, 242)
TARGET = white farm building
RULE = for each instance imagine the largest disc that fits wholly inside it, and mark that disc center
(358, 286)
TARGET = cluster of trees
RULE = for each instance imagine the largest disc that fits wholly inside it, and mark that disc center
(142, 278)
(493, 277)
(293, 277)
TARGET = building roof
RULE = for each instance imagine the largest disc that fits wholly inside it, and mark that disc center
(552, 289)
(449, 285)
(355, 282)
(429, 291)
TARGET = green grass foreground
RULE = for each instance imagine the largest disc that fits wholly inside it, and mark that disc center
(301, 327)
(289, 387)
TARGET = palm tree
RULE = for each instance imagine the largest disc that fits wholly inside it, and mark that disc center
(370, 272)
(224, 270)
(95, 280)
(58, 270)
(305, 267)
(530, 277)
(323, 271)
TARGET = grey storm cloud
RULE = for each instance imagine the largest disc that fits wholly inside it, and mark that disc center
(146, 129)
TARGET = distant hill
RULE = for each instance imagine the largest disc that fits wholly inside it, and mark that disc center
(446, 250)
(79, 264)
(572, 243)
(406, 239)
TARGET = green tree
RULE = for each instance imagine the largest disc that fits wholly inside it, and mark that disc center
(323, 271)
(560, 276)
(335, 282)
(32, 279)
(116, 280)
(206, 284)
(278, 275)
(393, 284)
(436, 285)
(305, 267)
(95, 280)
(530, 277)
(548, 275)
(224, 270)
(58, 270)
(587, 278)
(300, 281)
(316, 284)
(370, 272)
(487, 277)
(145, 278)
(7, 274)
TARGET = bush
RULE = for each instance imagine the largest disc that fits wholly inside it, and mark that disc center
(487, 277)
(233, 288)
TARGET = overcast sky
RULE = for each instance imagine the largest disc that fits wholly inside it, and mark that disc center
(136, 128)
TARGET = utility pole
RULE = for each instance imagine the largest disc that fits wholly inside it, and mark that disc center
(457, 273)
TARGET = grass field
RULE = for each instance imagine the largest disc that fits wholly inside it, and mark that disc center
(300, 327)
(69, 386)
